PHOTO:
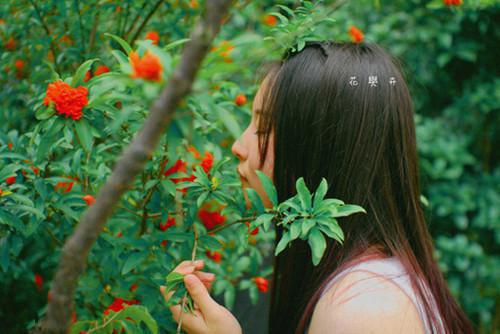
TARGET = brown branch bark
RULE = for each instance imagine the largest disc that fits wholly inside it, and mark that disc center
(74, 253)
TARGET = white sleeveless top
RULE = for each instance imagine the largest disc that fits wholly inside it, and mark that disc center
(392, 269)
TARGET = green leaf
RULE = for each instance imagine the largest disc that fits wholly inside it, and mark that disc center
(255, 200)
(84, 133)
(229, 296)
(285, 239)
(120, 41)
(317, 243)
(304, 194)
(229, 122)
(332, 229)
(209, 242)
(139, 314)
(347, 210)
(268, 185)
(295, 229)
(44, 113)
(8, 171)
(307, 225)
(133, 261)
(265, 220)
(177, 236)
(320, 193)
(176, 43)
(80, 73)
(174, 277)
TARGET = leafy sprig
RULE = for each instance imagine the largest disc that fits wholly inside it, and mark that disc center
(299, 26)
(305, 216)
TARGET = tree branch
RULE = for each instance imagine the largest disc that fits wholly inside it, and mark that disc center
(76, 248)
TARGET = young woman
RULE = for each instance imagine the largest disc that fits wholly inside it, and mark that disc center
(341, 111)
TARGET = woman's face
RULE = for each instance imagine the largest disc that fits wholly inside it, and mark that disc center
(246, 149)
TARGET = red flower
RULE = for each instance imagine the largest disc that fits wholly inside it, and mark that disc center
(19, 64)
(64, 185)
(119, 304)
(193, 4)
(35, 170)
(170, 222)
(119, 235)
(211, 219)
(68, 101)
(10, 44)
(452, 2)
(153, 36)
(270, 20)
(101, 69)
(356, 34)
(194, 152)
(10, 145)
(207, 162)
(10, 180)
(240, 100)
(164, 243)
(39, 281)
(133, 287)
(178, 166)
(255, 230)
(215, 256)
(89, 199)
(148, 67)
(87, 77)
(261, 283)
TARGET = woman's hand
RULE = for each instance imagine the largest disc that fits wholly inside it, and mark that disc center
(208, 317)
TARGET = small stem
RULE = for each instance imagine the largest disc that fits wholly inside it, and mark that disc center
(146, 20)
(135, 20)
(242, 220)
(47, 32)
(193, 256)
(93, 32)
(104, 324)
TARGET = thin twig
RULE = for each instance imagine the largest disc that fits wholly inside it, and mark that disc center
(222, 227)
(47, 32)
(146, 20)
(93, 32)
(193, 256)
(135, 20)
(82, 35)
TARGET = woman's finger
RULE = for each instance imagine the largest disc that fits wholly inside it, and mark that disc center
(198, 265)
(191, 322)
(204, 276)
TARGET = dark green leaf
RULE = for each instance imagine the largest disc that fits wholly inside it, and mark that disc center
(84, 133)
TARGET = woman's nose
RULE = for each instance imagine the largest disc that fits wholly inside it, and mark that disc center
(239, 150)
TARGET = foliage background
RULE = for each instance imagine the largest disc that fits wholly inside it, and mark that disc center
(450, 55)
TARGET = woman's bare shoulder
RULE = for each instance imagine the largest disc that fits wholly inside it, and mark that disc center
(364, 302)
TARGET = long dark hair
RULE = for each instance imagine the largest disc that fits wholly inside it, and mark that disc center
(330, 117)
